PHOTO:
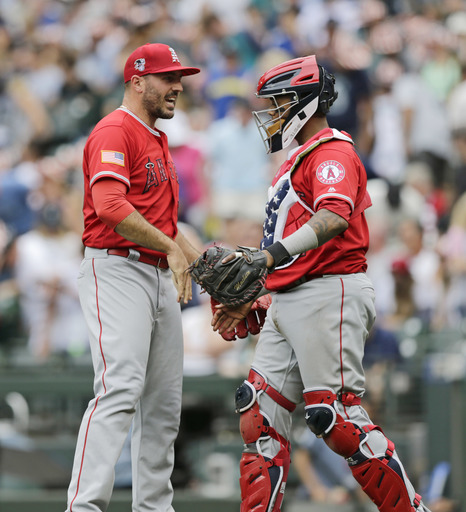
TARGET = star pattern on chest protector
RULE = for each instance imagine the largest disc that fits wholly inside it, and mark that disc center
(271, 212)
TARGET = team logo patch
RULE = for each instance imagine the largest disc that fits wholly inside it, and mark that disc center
(330, 172)
(112, 157)
(140, 64)
(174, 55)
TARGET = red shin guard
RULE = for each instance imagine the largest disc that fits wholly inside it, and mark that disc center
(382, 478)
(384, 486)
(262, 478)
(262, 482)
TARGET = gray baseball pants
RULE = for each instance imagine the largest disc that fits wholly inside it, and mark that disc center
(135, 335)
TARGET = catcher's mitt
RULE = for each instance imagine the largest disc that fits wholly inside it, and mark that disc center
(235, 282)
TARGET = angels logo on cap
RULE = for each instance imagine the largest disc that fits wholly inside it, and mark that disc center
(174, 55)
(152, 58)
(330, 172)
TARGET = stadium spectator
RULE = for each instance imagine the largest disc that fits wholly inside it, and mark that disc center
(417, 271)
(47, 261)
(238, 166)
(452, 247)
(190, 161)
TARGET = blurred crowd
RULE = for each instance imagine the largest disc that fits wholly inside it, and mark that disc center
(400, 68)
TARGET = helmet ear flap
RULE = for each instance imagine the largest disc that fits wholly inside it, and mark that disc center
(327, 94)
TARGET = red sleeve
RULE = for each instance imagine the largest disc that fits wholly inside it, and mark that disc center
(110, 203)
(338, 206)
(332, 174)
(108, 154)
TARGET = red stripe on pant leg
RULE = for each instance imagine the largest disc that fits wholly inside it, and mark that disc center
(82, 458)
(103, 382)
(100, 326)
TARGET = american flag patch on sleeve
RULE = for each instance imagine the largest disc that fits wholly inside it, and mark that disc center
(112, 157)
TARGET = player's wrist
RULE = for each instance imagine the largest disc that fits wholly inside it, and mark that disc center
(278, 254)
(302, 240)
(270, 261)
(171, 247)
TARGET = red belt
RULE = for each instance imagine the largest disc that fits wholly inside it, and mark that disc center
(143, 258)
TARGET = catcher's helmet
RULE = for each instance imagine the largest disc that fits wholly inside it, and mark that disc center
(311, 89)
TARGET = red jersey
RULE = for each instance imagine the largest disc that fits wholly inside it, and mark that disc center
(326, 172)
(124, 148)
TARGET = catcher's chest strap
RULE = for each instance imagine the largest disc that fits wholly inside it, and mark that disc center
(260, 384)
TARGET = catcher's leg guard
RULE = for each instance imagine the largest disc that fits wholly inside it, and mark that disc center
(380, 473)
(263, 478)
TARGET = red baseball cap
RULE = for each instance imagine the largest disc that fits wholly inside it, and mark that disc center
(154, 58)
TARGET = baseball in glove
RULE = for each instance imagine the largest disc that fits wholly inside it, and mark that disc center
(233, 283)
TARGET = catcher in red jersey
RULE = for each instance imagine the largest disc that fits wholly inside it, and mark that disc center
(131, 281)
(312, 343)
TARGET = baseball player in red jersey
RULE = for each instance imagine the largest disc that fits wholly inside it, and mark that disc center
(312, 344)
(131, 281)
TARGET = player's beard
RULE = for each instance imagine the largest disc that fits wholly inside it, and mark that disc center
(155, 104)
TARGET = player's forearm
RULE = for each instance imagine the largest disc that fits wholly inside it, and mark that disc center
(322, 227)
(190, 252)
(138, 230)
(327, 225)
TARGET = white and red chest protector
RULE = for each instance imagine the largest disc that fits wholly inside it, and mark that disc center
(326, 172)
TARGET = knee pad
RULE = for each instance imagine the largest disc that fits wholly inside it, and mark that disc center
(320, 418)
(381, 475)
(321, 415)
(253, 424)
(262, 478)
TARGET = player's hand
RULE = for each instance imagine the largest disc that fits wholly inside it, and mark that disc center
(231, 257)
(181, 277)
(226, 318)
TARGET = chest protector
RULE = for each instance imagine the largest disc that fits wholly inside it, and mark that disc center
(282, 196)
